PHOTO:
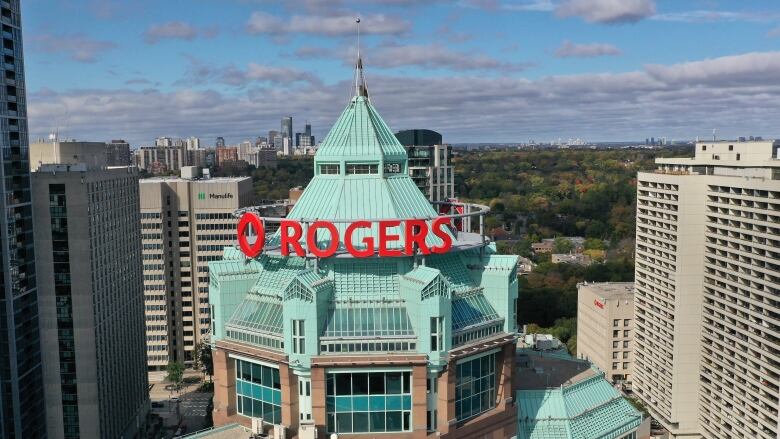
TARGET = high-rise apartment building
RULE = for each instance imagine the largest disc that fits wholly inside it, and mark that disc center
(226, 154)
(605, 328)
(185, 224)
(161, 159)
(192, 143)
(707, 314)
(21, 391)
(90, 287)
(430, 163)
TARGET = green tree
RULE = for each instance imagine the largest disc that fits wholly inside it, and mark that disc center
(562, 245)
(594, 244)
(175, 373)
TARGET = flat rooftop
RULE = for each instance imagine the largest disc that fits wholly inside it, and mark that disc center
(197, 180)
(229, 431)
(539, 370)
(611, 290)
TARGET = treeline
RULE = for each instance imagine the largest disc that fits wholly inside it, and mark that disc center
(544, 193)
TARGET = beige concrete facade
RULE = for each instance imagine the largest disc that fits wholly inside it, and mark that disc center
(605, 328)
(92, 154)
(88, 263)
(707, 276)
(185, 224)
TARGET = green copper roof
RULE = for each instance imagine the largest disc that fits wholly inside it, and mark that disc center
(591, 408)
(360, 134)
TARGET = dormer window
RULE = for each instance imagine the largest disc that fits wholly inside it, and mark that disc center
(330, 169)
(392, 168)
(362, 168)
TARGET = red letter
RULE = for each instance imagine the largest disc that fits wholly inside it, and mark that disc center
(311, 239)
(416, 230)
(293, 240)
(384, 238)
(446, 238)
(367, 240)
(251, 250)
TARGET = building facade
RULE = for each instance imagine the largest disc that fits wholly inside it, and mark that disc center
(161, 158)
(707, 317)
(226, 154)
(88, 261)
(185, 223)
(407, 346)
(21, 391)
(92, 154)
(430, 163)
(605, 328)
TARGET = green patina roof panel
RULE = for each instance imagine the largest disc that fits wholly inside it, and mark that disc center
(360, 133)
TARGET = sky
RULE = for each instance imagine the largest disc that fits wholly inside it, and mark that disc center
(474, 70)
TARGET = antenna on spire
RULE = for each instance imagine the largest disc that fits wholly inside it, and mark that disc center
(360, 81)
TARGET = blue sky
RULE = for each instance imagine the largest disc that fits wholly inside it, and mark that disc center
(475, 70)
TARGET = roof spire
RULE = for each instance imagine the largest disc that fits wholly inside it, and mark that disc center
(360, 81)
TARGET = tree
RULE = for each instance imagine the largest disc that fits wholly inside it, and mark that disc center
(205, 359)
(562, 245)
(175, 373)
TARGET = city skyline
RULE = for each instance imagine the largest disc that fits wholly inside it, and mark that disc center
(547, 69)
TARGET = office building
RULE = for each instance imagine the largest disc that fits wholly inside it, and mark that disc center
(430, 163)
(263, 157)
(403, 346)
(119, 153)
(287, 127)
(605, 328)
(226, 154)
(185, 224)
(92, 154)
(707, 315)
(220, 142)
(161, 159)
(244, 150)
(21, 391)
(90, 288)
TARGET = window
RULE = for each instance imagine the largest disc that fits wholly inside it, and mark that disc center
(625, 333)
(437, 333)
(731, 147)
(354, 169)
(615, 365)
(615, 344)
(392, 168)
(625, 365)
(299, 345)
(738, 156)
(625, 355)
(616, 333)
(704, 147)
(361, 402)
(616, 322)
(626, 322)
(625, 344)
(258, 391)
(475, 386)
(330, 169)
(614, 355)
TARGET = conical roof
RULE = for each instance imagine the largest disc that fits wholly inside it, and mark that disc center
(360, 173)
(360, 133)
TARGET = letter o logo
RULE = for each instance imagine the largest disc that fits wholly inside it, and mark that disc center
(251, 250)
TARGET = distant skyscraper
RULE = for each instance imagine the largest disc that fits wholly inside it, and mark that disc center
(272, 135)
(163, 141)
(88, 266)
(119, 153)
(21, 391)
(707, 315)
(307, 130)
(220, 142)
(192, 143)
(287, 127)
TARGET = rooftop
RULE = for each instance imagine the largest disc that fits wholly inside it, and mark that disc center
(611, 290)
(229, 431)
(197, 180)
(541, 369)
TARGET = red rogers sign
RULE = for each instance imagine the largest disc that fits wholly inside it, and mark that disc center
(291, 232)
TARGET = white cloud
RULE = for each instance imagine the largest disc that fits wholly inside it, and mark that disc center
(435, 56)
(607, 11)
(78, 47)
(200, 73)
(592, 50)
(704, 16)
(329, 25)
(175, 30)
(738, 94)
